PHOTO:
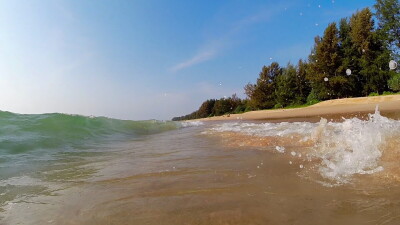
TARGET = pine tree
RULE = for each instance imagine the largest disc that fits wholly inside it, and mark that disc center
(261, 94)
(351, 86)
(286, 89)
(206, 108)
(372, 53)
(302, 84)
(325, 62)
(388, 15)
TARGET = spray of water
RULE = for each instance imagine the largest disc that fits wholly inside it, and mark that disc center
(340, 149)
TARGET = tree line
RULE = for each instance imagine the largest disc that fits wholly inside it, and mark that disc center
(355, 57)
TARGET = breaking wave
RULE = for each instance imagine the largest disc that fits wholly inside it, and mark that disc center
(21, 133)
(339, 150)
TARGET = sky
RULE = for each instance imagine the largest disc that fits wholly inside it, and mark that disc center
(148, 59)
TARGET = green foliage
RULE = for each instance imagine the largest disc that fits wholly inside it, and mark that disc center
(213, 107)
(278, 106)
(206, 108)
(325, 63)
(388, 15)
(285, 86)
(302, 84)
(240, 109)
(388, 93)
(312, 98)
(394, 82)
(249, 108)
(349, 60)
(222, 106)
(373, 94)
(373, 56)
(261, 95)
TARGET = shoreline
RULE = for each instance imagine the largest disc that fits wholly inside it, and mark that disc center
(364, 105)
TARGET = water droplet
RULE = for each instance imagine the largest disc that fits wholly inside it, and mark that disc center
(348, 72)
(363, 50)
(301, 14)
(316, 24)
(301, 166)
(392, 65)
(290, 162)
(326, 79)
(270, 58)
(258, 167)
(319, 6)
(293, 153)
(280, 149)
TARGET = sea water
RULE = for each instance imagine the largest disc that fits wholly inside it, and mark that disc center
(72, 169)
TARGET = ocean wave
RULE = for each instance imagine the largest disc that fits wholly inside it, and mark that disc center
(20, 133)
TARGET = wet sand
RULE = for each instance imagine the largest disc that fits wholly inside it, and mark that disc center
(348, 106)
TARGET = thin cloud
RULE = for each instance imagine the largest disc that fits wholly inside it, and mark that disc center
(216, 46)
(198, 58)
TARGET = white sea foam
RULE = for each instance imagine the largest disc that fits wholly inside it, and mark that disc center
(343, 148)
(353, 146)
(191, 123)
(20, 181)
(267, 129)
(280, 149)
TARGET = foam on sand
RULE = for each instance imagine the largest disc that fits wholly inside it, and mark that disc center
(339, 149)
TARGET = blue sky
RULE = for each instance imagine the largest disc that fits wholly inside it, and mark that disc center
(148, 59)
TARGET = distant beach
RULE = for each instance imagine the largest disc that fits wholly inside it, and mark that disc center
(386, 104)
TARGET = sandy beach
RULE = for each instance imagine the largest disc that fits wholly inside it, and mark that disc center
(389, 103)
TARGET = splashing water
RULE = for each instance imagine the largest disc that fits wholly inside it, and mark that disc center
(353, 147)
(191, 123)
(339, 149)
(280, 149)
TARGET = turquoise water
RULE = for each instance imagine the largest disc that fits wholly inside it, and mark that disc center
(48, 147)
